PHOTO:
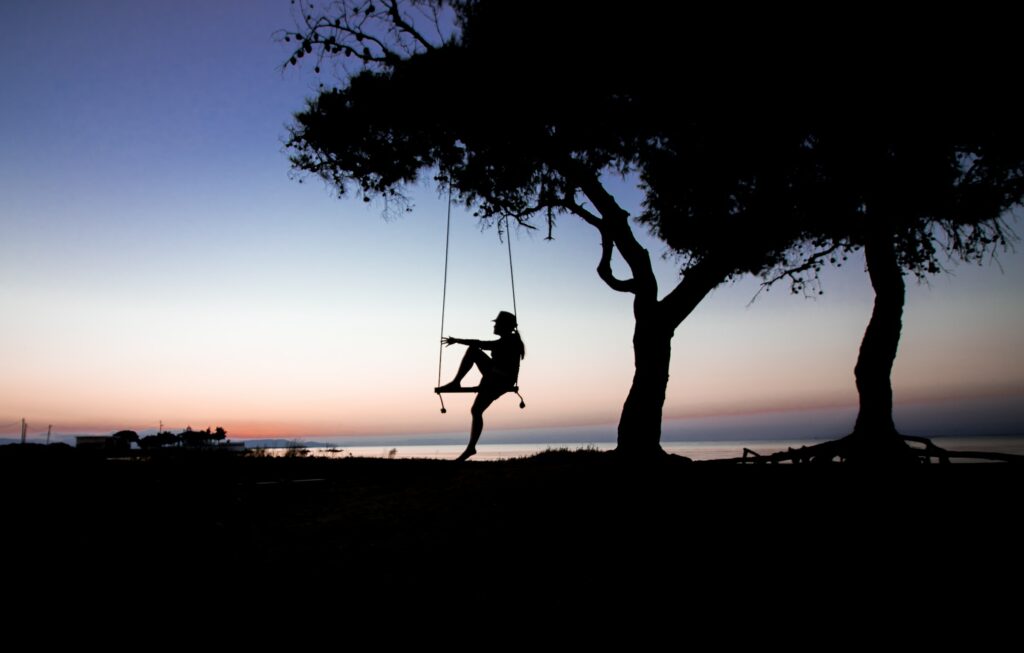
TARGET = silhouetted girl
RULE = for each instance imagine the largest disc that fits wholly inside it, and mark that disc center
(500, 370)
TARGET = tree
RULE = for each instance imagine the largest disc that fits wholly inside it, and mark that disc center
(935, 181)
(917, 166)
(161, 439)
(191, 438)
(583, 95)
(124, 439)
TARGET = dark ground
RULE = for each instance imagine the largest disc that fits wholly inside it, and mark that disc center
(560, 527)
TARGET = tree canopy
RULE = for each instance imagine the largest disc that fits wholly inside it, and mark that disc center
(915, 194)
(529, 105)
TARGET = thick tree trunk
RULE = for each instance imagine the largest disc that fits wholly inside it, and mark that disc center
(874, 433)
(640, 423)
(656, 322)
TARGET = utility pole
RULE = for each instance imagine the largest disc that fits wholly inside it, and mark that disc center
(24, 430)
(49, 429)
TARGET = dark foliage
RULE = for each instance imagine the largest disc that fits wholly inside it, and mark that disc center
(124, 439)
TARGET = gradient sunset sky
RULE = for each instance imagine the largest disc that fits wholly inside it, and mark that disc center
(157, 262)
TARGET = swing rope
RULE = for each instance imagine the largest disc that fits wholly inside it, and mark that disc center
(444, 293)
(511, 274)
(512, 278)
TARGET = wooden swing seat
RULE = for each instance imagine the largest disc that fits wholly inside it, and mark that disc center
(472, 388)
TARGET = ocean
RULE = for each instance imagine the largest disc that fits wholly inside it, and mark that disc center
(693, 450)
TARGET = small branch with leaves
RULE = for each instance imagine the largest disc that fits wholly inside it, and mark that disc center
(376, 34)
(798, 274)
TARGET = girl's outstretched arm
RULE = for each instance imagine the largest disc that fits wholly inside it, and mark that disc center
(448, 341)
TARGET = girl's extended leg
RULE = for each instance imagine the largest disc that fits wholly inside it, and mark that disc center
(483, 400)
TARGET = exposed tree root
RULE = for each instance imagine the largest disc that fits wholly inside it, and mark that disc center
(914, 450)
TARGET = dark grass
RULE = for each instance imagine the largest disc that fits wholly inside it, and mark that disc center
(560, 526)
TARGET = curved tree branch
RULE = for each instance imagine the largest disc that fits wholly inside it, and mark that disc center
(587, 216)
(604, 267)
(615, 230)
